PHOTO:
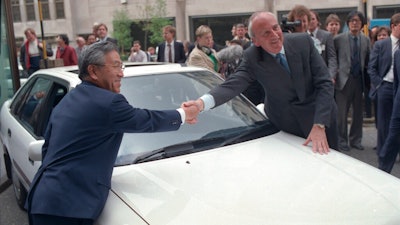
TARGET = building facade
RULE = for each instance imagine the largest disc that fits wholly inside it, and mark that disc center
(76, 17)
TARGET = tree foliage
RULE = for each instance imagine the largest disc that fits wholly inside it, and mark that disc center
(153, 19)
(122, 29)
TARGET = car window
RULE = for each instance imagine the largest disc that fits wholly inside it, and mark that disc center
(31, 107)
(35, 102)
(58, 91)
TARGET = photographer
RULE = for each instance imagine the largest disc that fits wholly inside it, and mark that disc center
(302, 16)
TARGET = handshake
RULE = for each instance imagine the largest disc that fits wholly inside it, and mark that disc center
(192, 109)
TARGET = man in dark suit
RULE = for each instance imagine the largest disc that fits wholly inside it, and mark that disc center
(388, 153)
(352, 50)
(82, 141)
(102, 33)
(380, 69)
(298, 92)
(325, 44)
(171, 50)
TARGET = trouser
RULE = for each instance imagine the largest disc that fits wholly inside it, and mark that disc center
(350, 95)
(384, 112)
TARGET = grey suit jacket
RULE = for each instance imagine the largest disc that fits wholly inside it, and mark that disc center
(343, 52)
(328, 50)
(309, 83)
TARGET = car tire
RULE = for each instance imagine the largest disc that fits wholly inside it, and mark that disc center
(19, 190)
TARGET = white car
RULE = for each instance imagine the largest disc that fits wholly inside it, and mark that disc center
(232, 167)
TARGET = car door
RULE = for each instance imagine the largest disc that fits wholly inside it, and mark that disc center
(31, 110)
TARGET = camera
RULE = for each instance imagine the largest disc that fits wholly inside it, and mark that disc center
(288, 26)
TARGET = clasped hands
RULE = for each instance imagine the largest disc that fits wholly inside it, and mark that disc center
(192, 109)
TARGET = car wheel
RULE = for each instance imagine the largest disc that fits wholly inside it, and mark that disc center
(19, 190)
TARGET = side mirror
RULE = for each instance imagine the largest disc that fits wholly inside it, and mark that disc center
(35, 150)
(260, 108)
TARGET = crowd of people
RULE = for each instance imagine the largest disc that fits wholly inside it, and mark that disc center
(361, 67)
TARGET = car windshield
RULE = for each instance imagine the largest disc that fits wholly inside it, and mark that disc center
(219, 126)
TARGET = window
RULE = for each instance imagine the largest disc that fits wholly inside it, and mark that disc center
(15, 7)
(6, 68)
(386, 11)
(60, 14)
(33, 102)
(45, 9)
(220, 25)
(30, 10)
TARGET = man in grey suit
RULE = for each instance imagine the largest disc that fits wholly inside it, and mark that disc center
(298, 89)
(352, 50)
(326, 45)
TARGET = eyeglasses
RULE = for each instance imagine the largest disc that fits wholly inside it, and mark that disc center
(355, 21)
(120, 66)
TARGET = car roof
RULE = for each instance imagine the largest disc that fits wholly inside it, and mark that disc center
(131, 69)
(70, 73)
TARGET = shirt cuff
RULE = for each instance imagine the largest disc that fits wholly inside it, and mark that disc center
(208, 101)
(183, 114)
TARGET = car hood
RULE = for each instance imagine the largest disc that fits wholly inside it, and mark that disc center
(271, 180)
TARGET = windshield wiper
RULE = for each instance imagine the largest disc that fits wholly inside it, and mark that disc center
(212, 140)
(179, 149)
(256, 131)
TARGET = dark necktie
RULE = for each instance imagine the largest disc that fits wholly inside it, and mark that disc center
(355, 59)
(169, 53)
(282, 60)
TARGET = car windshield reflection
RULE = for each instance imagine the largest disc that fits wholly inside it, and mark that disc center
(168, 91)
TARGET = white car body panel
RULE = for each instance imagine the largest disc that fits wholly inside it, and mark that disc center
(271, 180)
(18, 141)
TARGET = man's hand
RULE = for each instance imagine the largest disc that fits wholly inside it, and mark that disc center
(319, 141)
(191, 111)
(198, 103)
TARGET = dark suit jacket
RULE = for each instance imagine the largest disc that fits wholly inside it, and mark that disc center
(396, 81)
(178, 50)
(389, 151)
(307, 100)
(112, 40)
(328, 50)
(81, 144)
(380, 61)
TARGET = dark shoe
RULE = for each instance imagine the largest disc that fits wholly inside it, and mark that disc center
(358, 147)
(344, 148)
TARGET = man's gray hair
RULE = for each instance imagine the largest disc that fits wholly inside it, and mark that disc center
(251, 19)
(94, 55)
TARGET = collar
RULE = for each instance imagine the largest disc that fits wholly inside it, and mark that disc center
(314, 32)
(352, 36)
(394, 39)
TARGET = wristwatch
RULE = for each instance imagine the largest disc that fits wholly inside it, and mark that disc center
(320, 125)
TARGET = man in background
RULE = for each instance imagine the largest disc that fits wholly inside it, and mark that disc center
(170, 50)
